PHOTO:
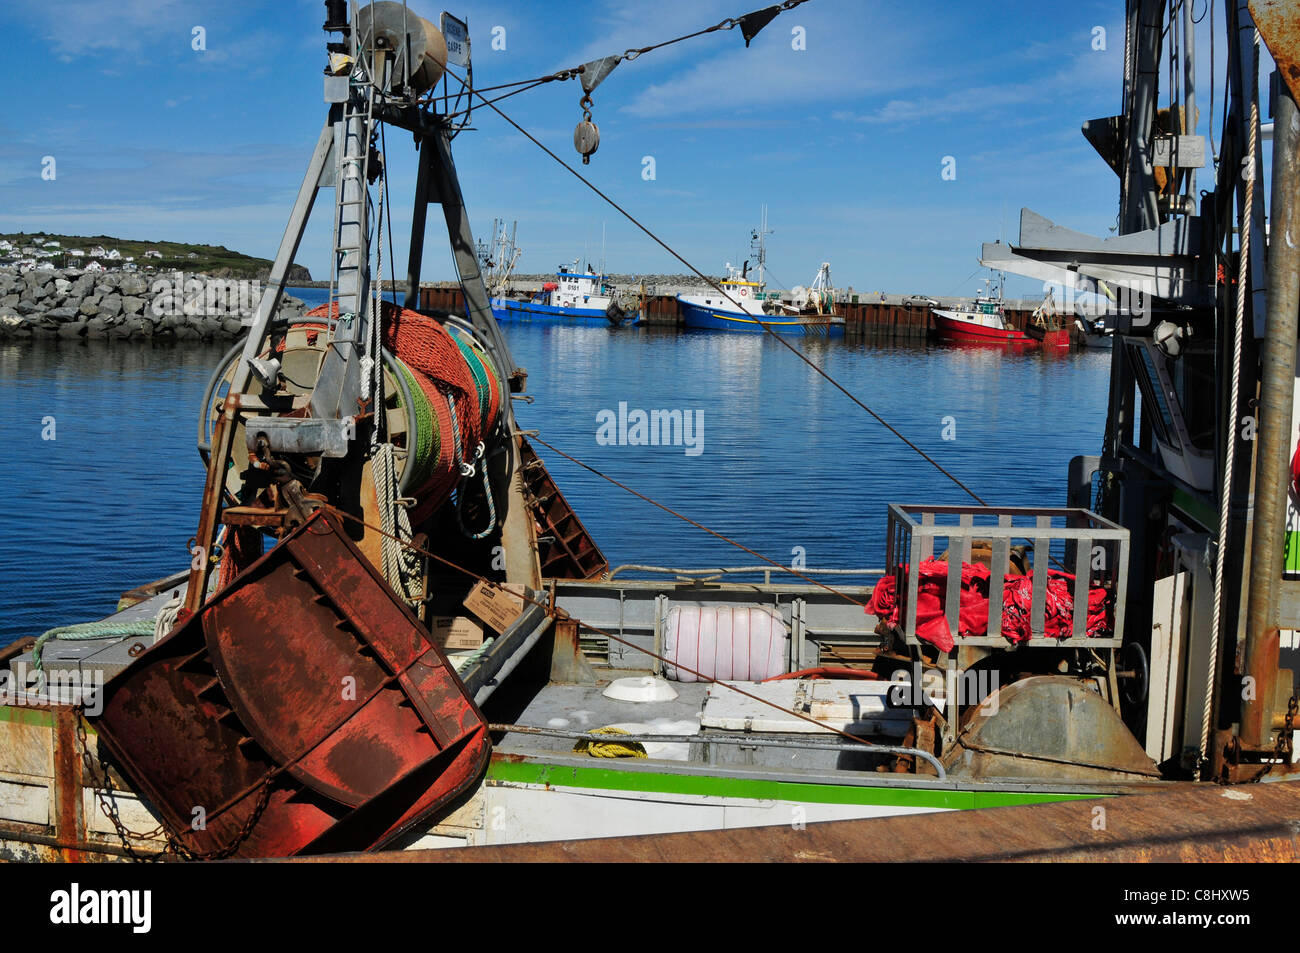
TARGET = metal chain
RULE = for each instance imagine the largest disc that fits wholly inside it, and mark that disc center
(102, 785)
(1283, 747)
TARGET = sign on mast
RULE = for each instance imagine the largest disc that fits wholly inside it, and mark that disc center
(456, 32)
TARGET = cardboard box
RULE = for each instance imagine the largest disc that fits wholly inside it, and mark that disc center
(453, 633)
(497, 606)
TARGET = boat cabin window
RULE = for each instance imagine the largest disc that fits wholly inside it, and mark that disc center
(1193, 375)
(1153, 395)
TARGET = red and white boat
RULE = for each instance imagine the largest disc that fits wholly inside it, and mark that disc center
(986, 322)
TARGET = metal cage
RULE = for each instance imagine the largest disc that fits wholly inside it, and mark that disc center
(1093, 549)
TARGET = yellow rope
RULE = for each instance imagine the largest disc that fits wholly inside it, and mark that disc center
(610, 749)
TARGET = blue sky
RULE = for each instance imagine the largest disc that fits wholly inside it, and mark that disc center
(844, 140)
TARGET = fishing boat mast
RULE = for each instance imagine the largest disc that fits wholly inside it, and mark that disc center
(1200, 435)
(758, 246)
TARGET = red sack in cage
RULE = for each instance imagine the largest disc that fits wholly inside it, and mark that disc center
(931, 602)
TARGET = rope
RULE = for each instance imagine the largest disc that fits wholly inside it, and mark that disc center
(159, 627)
(401, 566)
(469, 661)
(1230, 455)
(165, 621)
(610, 749)
(481, 465)
(458, 458)
(89, 632)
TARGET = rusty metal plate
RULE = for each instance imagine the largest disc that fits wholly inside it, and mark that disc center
(1279, 24)
(306, 684)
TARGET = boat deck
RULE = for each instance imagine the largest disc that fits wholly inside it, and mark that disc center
(574, 710)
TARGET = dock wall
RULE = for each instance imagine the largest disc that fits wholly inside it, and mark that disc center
(885, 317)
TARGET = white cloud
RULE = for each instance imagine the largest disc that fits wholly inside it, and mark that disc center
(76, 28)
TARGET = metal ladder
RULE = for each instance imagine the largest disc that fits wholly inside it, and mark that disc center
(351, 195)
(338, 385)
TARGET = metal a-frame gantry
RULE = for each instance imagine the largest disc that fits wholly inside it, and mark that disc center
(358, 101)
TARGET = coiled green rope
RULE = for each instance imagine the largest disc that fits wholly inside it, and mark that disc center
(88, 631)
(479, 373)
(427, 440)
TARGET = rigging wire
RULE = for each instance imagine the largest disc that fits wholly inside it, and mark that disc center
(1217, 620)
(966, 279)
(551, 611)
(713, 284)
(627, 55)
(843, 595)
(430, 97)
(468, 109)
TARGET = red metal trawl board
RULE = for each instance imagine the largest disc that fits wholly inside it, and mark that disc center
(302, 709)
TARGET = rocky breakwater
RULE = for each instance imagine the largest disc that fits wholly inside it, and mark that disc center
(128, 305)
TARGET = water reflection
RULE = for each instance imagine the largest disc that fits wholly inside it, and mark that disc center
(787, 460)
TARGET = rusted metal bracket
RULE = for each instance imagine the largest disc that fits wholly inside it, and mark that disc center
(213, 488)
(568, 665)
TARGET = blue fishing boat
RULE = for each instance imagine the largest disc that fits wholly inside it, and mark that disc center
(572, 297)
(744, 305)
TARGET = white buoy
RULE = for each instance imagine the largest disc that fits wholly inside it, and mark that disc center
(646, 688)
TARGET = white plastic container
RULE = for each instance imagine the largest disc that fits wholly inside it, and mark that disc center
(747, 644)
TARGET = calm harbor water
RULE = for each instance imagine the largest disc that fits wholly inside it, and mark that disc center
(785, 461)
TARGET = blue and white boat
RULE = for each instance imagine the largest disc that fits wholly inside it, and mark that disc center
(744, 305)
(573, 296)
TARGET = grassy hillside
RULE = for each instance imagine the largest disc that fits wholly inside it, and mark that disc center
(216, 260)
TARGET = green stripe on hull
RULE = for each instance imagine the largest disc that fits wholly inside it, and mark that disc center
(22, 715)
(645, 782)
(1292, 553)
